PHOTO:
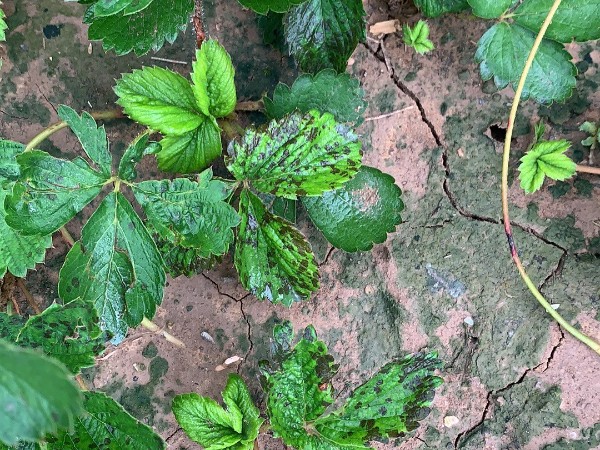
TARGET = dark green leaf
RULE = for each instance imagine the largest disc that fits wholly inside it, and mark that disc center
(37, 395)
(104, 8)
(134, 153)
(435, 8)
(183, 261)
(301, 154)
(360, 213)
(271, 29)
(264, 6)
(282, 207)
(117, 267)
(490, 9)
(546, 158)
(50, 192)
(9, 168)
(338, 94)
(323, 34)
(274, 259)
(502, 52)
(106, 425)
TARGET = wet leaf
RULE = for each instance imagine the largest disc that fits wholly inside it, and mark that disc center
(264, 6)
(546, 158)
(435, 8)
(490, 9)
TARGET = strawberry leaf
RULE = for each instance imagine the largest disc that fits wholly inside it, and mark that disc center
(417, 37)
(435, 8)
(264, 6)
(490, 9)
(546, 158)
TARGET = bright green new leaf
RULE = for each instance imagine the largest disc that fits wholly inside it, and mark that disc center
(193, 151)
(490, 9)
(417, 37)
(106, 425)
(327, 91)
(502, 52)
(160, 99)
(213, 75)
(274, 260)
(37, 395)
(93, 138)
(360, 213)
(264, 6)
(594, 134)
(546, 158)
(301, 154)
(190, 214)
(3, 27)
(435, 8)
(141, 27)
(133, 154)
(116, 266)
(213, 427)
(323, 34)
(574, 19)
(50, 192)
(68, 333)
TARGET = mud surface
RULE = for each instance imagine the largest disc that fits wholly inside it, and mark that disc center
(444, 281)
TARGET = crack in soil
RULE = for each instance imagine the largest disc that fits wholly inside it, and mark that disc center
(172, 435)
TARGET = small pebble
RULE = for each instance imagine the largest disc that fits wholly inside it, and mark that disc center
(469, 321)
(555, 305)
(207, 337)
(450, 421)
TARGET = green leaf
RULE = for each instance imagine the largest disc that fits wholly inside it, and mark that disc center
(417, 37)
(193, 151)
(160, 99)
(264, 6)
(3, 27)
(183, 261)
(133, 155)
(213, 75)
(37, 395)
(190, 214)
(67, 333)
(301, 154)
(546, 158)
(338, 94)
(9, 168)
(435, 8)
(106, 425)
(213, 427)
(93, 138)
(502, 52)
(282, 207)
(490, 9)
(574, 19)
(116, 266)
(360, 213)
(143, 30)
(103, 8)
(323, 34)
(274, 260)
(51, 191)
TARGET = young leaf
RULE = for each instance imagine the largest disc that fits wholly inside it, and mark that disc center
(546, 158)
(338, 94)
(264, 6)
(502, 52)
(212, 76)
(490, 9)
(323, 34)
(68, 333)
(142, 30)
(106, 425)
(93, 138)
(133, 154)
(213, 427)
(417, 37)
(37, 395)
(574, 19)
(190, 214)
(594, 134)
(160, 99)
(116, 266)
(302, 154)
(435, 8)
(50, 192)
(3, 28)
(274, 260)
(360, 213)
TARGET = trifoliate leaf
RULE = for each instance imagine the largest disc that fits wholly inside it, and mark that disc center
(133, 154)
(213, 427)
(502, 52)
(322, 34)
(193, 151)
(490, 9)
(37, 395)
(141, 31)
(213, 75)
(338, 94)
(274, 260)
(93, 138)
(574, 19)
(264, 6)
(50, 192)
(546, 158)
(301, 154)
(68, 333)
(116, 266)
(360, 213)
(417, 37)
(390, 404)
(106, 425)
(190, 214)
(435, 8)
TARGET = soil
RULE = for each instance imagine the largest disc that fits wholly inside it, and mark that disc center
(443, 281)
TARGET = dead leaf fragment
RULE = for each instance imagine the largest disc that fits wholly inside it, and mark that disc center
(385, 27)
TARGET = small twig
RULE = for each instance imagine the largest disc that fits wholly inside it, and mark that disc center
(167, 60)
(252, 105)
(390, 114)
(81, 383)
(67, 236)
(198, 25)
(588, 169)
(146, 323)
(28, 296)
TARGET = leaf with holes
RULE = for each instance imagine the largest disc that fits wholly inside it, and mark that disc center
(435, 8)
(264, 6)
(545, 159)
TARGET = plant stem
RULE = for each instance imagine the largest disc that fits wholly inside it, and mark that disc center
(595, 346)
(81, 383)
(588, 169)
(28, 296)
(146, 323)
(198, 25)
(251, 105)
